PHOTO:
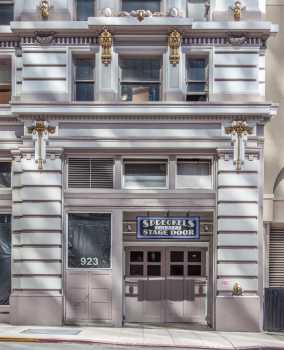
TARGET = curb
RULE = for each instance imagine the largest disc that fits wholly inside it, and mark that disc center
(130, 345)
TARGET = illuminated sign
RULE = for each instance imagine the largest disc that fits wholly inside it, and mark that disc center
(167, 228)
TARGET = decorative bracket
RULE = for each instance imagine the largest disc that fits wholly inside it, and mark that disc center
(239, 132)
(105, 40)
(40, 132)
(174, 41)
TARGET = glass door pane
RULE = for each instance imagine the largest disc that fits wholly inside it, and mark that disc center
(5, 259)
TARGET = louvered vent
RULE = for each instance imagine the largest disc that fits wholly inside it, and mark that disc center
(276, 259)
(90, 173)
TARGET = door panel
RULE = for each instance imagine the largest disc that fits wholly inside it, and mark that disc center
(176, 294)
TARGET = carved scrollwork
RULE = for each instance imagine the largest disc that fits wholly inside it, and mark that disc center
(105, 40)
(174, 41)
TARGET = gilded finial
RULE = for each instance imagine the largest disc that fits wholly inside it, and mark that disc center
(237, 289)
(105, 40)
(174, 41)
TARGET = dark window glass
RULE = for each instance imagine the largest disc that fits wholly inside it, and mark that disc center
(136, 270)
(5, 174)
(5, 259)
(176, 270)
(84, 79)
(85, 9)
(196, 98)
(136, 256)
(140, 69)
(196, 69)
(154, 256)
(6, 13)
(194, 256)
(196, 87)
(140, 79)
(177, 256)
(154, 270)
(84, 91)
(151, 5)
(194, 270)
(89, 240)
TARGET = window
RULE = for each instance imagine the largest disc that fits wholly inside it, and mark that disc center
(89, 240)
(132, 5)
(84, 79)
(139, 174)
(84, 9)
(6, 13)
(90, 173)
(5, 259)
(198, 10)
(5, 80)
(140, 79)
(5, 174)
(197, 79)
(194, 173)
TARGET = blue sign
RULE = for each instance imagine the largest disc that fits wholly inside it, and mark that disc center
(168, 228)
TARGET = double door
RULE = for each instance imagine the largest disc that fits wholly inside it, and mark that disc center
(165, 284)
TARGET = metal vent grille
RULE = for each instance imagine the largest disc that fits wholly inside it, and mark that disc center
(90, 173)
(276, 259)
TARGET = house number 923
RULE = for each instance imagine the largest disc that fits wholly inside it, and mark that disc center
(89, 261)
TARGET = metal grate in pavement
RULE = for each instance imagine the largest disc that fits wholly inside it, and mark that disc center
(52, 331)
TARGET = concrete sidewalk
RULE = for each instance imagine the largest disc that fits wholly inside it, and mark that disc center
(146, 335)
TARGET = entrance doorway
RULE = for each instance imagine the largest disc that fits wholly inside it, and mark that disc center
(166, 284)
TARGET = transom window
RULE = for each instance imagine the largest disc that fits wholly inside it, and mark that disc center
(197, 79)
(6, 13)
(140, 79)
(84, 9)
(198, 10)
(194, 173)
(84, 89)
(132, 5)
(142, 174)
(5, 80)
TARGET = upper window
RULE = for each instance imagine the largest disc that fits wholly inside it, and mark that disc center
(90, 173)
(5, 80)
(141, 174)
(6, 13)
(197, 79)
(198, 10)
(140, 79)
(84, 9)
(133, 5)
(84, 89)
(194, 173)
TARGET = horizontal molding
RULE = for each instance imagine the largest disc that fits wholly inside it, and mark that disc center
(234, 79)
(44, 65)
(44, 79)
(235, 65)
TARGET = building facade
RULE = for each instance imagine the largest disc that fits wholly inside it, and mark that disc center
(132, 162)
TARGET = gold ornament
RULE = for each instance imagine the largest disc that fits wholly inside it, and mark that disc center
(237, 289)
(239, 130)
(44, 8)
(105, 40)
(174, 41)
(40, 130)
(237, 11)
